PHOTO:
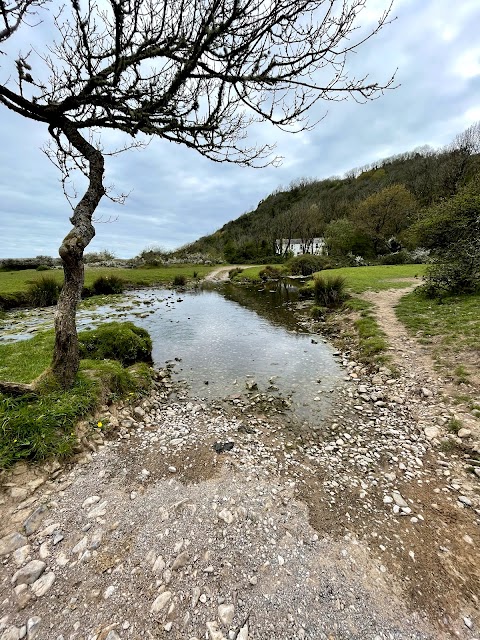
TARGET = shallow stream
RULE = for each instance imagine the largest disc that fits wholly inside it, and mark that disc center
(220, 340)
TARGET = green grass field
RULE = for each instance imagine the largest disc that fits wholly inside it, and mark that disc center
(360, 279)
(19, 281)
(451, 327)
(36, 427)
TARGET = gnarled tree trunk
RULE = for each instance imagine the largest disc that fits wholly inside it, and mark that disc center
(66, 357)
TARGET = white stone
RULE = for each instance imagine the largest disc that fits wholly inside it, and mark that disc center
(226, 516)
(81, 546)
(243, 633)
(159, 565)
(401, 502)
(90, 501)
(431, 432)
(11, 633)
(20, 555)
(214, 632)
(226, 613)
(43, 584)
(160, 602)
(12, 542)
(33, 625)
(29, 573)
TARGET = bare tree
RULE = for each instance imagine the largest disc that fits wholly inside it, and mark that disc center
(195, 72)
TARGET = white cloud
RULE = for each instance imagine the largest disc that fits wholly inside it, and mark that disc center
(178, 195)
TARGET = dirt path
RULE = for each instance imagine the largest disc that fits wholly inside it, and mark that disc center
(403, 348)
(221, 274)
(358, 529)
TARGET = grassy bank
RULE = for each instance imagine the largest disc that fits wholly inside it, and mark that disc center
(12, 282)
(450, 328)
(34, 427)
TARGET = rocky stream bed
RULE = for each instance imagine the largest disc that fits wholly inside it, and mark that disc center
(230, 518)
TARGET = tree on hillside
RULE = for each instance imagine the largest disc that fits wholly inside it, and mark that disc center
(193, 72)
(384, 214)
(451, 229)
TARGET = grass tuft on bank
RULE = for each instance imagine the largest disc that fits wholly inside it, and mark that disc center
(35, 427)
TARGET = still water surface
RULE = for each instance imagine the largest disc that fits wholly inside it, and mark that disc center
(225, 337)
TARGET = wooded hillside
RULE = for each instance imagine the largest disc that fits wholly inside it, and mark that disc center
(369, 212)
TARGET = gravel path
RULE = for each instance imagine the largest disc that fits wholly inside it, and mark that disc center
(194, 520)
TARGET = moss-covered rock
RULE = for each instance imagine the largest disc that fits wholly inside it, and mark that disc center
(124, 342)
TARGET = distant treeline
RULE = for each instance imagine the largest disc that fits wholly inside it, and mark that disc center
(372, 212)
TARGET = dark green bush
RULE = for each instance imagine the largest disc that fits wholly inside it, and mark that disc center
(329, 291)
(179, 281)
(105, 285)
(44, 292)
(270, 273)
(121, 341)
(43, 267)
(13, 300)
(455, 271)
(307, 264)
(399, 257)
(234, 272)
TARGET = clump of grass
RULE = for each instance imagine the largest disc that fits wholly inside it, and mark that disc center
(270, 273)
(179, 280)
(454, 425)
(34, 427)
(318, 313)
(43, 292)
(462, 374)
(234, 272)
(105, 285)
(329, 291)
(116, 341)
(371, 339)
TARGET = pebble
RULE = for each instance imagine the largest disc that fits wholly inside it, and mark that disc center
(34, 520)
(226, 516)
(33, 626)
(160, 602)
(180, 561)
(464, 500)
(43, 584)
(29, 573)
(226, 613)
(12, 542)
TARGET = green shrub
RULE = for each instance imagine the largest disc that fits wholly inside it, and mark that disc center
(455, 271)
(329, 292)
(43, 267)
(44, 292)
(179, 280)
(399, 257)
(105, 285)
(116, 341)
(307, 264)
(270, 273)
(234, 272)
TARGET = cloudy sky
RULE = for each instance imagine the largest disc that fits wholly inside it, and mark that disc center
(177, 196)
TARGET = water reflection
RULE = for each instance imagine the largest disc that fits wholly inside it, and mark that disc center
(223, 338)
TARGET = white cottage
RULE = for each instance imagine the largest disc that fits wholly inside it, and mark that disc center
(298, 247)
